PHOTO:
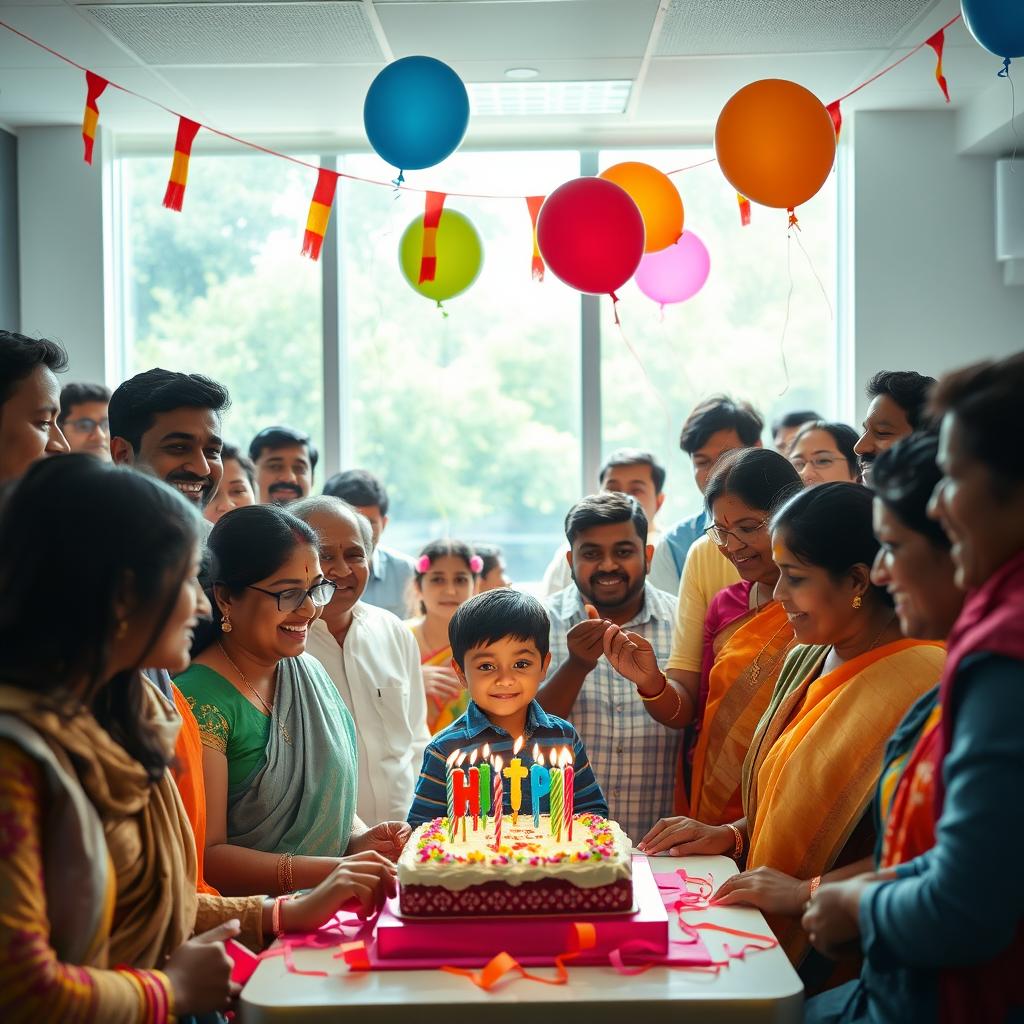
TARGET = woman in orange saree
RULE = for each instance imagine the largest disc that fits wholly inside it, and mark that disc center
(815, 757)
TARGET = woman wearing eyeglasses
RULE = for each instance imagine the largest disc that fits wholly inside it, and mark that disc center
(279, 755)
(823, 453)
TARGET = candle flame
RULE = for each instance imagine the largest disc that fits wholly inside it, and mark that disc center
(487, 752)
(536, 752)
(452, 758)
(517, 746)
(462, 758)
(498, 763)
(473, 757)
(540, 759)
(564, 757)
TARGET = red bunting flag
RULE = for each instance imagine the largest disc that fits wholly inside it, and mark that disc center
(94, 86)
(431, 218)
(533, 204)
(744, 209)
(319, 213)
(937, 42)
(837, 117)
(175, 194)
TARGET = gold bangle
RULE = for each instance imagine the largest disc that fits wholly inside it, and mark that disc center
(737, 851)
(659, 694)
(285, 878)
(813, 888)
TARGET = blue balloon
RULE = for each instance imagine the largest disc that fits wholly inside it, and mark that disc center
(416, 112)
(997, 24)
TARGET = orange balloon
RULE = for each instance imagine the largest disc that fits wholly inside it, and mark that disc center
(660, 204)
(775, 143)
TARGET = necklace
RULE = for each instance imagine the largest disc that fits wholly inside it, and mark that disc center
(252, 689)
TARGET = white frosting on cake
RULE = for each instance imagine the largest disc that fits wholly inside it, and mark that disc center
(526, 855)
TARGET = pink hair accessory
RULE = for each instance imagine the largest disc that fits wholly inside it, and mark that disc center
(476, 564)
(423, 565)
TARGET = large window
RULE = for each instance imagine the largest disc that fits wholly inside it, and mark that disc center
(728, 337)
(471, 415)
(220, 288)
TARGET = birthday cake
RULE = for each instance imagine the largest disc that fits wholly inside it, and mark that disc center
(532, 870)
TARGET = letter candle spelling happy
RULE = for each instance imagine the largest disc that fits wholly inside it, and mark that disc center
(515, 773)
(540, 783)
(485, 784)
(498, 803)
(462, 795)
(569, 789)
(449, 781)
(474, 788)
(556, 801)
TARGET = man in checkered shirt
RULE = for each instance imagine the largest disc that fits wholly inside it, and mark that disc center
(635, 758)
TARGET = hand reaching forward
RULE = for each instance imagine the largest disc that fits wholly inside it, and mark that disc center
(632, 656)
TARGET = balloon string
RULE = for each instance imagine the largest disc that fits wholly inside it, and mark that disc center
(817, 277)
(1013, 118)
(647, 377)
(785, 322)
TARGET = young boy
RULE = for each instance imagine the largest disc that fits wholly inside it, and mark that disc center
(499, 645)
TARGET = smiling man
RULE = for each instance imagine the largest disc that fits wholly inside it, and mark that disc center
(285, 460)
(634, 757)
(168, 425)
(897, 408)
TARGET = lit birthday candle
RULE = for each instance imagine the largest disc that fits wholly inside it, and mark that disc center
(474, 788)
(499, 798)
(569, 790)
(461, 794)
(449, 784)
(515, 773)
(556, 809)
(485, 784)
(540, 783)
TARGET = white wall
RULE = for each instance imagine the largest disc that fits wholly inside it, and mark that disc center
(924, 289)
(60, 229)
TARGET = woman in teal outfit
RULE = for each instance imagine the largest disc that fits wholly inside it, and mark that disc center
(279, 759)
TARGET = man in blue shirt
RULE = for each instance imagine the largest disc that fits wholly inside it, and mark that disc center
(500, 651)
(714, 427)
(390, 571)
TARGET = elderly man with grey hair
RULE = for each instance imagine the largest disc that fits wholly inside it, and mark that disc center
(374, 662)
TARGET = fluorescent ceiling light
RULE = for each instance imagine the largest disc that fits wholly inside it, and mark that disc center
(536, 99)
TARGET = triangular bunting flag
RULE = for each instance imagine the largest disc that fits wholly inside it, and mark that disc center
(533, 204)
(319, 213)
(937, 42)
(175, 194)
(431, 218)
(744, 209)
(94, 86)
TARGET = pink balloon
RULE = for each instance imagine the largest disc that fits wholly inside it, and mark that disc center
(674, 274)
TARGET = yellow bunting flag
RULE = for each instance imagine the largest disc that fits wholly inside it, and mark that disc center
(94, 86)
(175, 194)
(431, 218)
(937, 42)
(533, 204)
(319, 213)
(744, 209)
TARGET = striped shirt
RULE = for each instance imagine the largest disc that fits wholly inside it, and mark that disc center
(635, 758)
(474, 729)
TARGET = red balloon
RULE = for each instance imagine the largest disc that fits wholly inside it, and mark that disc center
(591, 235)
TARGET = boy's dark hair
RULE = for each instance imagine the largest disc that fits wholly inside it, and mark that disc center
(136, 402)
(495, 615)
(908, 389)
(490, 554)
(270, 438)
(634, 457)
(231, 451)
(20, 355)
(359, 487)
(844, 436)
(904, 477)
(985, 398)
(75, 394)
(603, 510)
(720, 413)
(798, 418)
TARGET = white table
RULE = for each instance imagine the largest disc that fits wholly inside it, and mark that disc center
(764, 987)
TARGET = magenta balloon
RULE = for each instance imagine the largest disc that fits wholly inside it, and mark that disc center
(674, 274)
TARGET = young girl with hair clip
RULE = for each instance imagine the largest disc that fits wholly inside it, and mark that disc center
(446, 577)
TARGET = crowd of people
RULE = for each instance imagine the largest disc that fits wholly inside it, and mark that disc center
(225, 702)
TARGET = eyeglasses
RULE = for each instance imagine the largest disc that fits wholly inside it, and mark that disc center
(85, 425)
(818, 462)
(292, 600)
(741, 533)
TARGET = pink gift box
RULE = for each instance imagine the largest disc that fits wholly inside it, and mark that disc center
(531, 940)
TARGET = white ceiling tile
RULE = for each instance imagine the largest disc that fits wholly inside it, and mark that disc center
(61, 28)
(473, 30)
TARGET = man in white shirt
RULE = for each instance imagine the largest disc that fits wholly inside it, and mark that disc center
(629, 471)
(373, 659)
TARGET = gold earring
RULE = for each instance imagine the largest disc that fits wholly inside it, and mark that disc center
(122, 628)
(857, 602)
(225, 626)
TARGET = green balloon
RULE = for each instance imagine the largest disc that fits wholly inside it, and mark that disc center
(459, 252)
